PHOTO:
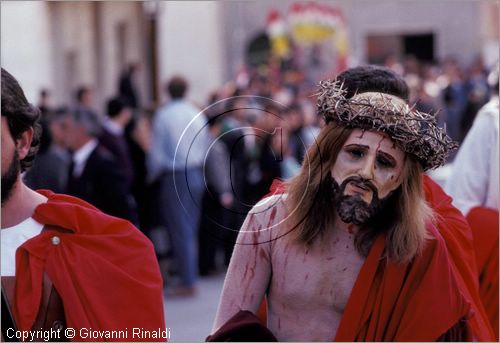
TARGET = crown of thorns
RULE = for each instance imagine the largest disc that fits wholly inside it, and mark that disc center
(414, 132)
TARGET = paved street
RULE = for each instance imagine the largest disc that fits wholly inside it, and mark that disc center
(191, 319)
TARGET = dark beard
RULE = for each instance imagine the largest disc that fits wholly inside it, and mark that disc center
(352, 208)
(10, 177)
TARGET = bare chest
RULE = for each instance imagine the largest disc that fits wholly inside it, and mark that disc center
(320, 277)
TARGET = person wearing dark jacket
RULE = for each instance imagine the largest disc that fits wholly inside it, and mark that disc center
(94, 174)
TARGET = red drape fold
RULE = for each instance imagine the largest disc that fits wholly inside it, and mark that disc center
(104, 269)
(484, 224)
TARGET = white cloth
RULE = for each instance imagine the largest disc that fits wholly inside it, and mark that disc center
(81, 156)
(474, 179)
(12, 238)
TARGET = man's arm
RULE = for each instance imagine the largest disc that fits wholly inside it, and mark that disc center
(160, 151)
(249, 272)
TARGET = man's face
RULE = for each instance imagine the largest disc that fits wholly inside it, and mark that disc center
(10, 162)
(71, 133)
(367, 170)
(88, 98)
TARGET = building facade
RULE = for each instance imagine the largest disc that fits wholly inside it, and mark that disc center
(61, 45)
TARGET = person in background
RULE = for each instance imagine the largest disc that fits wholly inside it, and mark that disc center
(94, 175)
(113, 138)
(127, 88)
(217, 203)
(50, 170)
(178, 147)
(44, 102)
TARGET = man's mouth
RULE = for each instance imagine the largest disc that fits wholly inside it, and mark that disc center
(359, 189)
(358, 186)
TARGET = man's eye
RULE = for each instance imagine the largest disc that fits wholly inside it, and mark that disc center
(356, 153)
(385, 162)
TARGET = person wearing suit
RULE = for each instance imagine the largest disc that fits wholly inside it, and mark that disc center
(112, 137)
(94, 174)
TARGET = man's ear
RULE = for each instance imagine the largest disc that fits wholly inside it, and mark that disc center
(23, 143)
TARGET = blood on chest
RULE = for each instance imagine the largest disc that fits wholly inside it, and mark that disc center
(315, 276)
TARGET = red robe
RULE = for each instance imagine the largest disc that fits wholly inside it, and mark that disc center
(422, 300)
(104, 269)
(460, 245)
(484, 224)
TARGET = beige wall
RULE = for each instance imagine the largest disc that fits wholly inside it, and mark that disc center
(26, 50)
(74, 49)
(190, 43)
(62, 45)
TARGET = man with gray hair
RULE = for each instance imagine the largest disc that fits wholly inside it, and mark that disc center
(94, 176)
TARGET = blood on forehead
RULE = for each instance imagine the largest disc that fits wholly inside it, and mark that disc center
(383, 136)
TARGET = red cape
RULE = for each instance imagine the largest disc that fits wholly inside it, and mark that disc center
(419, 301)
(460, 245)
(104, 269)
(484, 224)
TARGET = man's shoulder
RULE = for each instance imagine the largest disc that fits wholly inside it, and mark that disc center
(102, 158)
(180, 106)
(271, 211)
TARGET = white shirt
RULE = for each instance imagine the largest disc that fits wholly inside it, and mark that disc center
(474, 180)
(81, 156)
(113, 127)
(12, 238)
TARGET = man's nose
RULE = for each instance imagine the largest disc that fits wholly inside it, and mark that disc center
(367, 168)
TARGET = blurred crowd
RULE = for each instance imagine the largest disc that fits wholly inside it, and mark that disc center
(187, 173)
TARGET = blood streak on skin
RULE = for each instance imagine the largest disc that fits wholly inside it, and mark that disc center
(307, 276)
(251, 221)
(252, 272)
(272, 216)
(329, 258)
(379, 144)
(362, 134)
(255, 240)
(350, 228)
(262, 254)
(378, 148)
(279, 323)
